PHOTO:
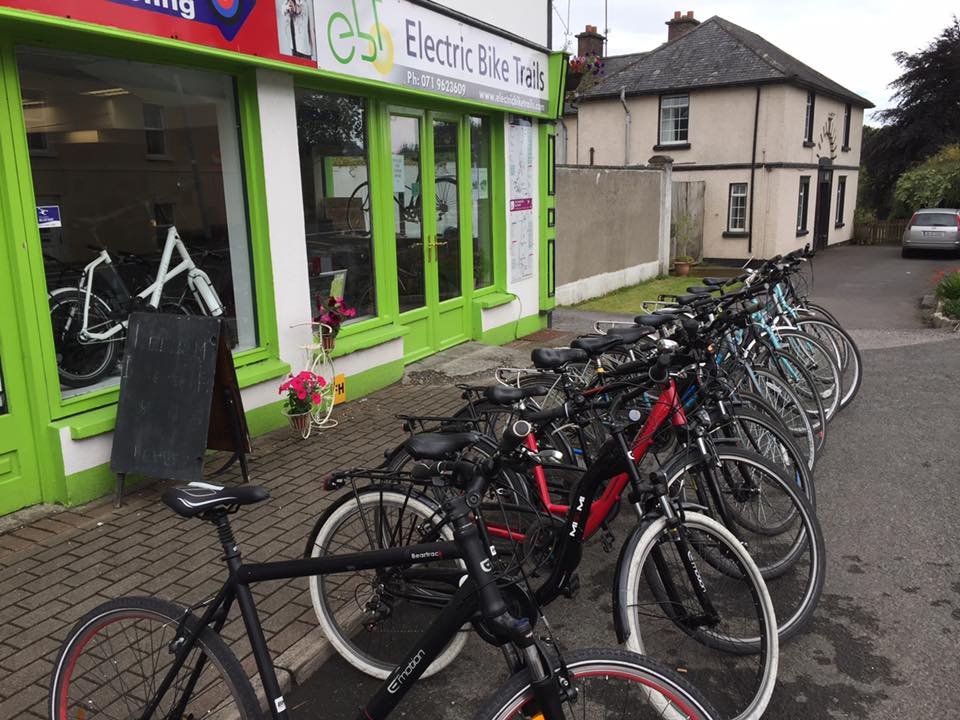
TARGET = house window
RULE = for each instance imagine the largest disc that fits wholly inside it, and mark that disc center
(155, 130)
(841, 196)
(808, 118)
(803, 202)
(737, 208)
(335, 176)
(846, 127)
(674, 118)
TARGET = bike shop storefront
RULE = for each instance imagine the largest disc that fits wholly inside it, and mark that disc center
(222, 173)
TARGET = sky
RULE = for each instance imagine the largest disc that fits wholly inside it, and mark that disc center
(851, 42)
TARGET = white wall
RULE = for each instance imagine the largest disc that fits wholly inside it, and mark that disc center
(526, 18)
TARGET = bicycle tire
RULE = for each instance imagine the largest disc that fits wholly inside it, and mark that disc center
(340, 628)
(222, 671)
(778, 393)
(754, 680)
(655, 685)
(848, 356)
(803, 562)
(101, 356)
(805, 440)
(819, 359)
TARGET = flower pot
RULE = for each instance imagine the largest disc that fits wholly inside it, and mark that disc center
(300, 422)
(329, 340)
(682, 268)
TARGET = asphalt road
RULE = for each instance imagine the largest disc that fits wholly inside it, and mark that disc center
(884, 642)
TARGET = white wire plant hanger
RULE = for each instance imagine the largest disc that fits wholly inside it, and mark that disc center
(317, 360)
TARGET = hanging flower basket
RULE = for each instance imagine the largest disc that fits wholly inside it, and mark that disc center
(300, 422)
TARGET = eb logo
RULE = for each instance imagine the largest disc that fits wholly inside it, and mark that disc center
(227, 16)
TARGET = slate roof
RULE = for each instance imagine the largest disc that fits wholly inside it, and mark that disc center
(714, 54)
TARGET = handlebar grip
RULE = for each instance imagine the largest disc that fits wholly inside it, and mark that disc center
(660, 371)
(514, 435)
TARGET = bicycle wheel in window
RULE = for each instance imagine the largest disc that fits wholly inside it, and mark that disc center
(693, 597)
(447, 206)
(358, 208)
(609, 683)
(81, 363)
(117, 655)
(768, 513)
(372, 616)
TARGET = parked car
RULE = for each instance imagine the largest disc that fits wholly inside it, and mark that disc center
(932, 229)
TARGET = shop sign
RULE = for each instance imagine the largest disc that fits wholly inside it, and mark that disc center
(48, 216)
(274, 29)
(340, 389)
(398, 42)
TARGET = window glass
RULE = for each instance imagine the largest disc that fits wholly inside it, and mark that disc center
(841, 197)
(129, 159)
(674, 117)
(335, 175)
(480, 202)
(737, 218)
(935, 220)
(808, 118)
(846, 127)
(803, 203)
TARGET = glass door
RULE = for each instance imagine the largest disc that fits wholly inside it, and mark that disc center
(425, 168)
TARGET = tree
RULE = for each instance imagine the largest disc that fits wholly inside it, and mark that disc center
(926, 116)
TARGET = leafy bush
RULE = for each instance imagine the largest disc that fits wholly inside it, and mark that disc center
(949, 288)
(933, 183)
(951, 308)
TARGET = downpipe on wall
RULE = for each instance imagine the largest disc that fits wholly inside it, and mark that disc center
(626, 127)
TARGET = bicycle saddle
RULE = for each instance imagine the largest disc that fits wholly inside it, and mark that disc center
(503, 395)
(699, 290)
(654, 321)
(554, 358)
(440, 446)
(714, 282)
(199, 497)
(595, 345)
(630, 335)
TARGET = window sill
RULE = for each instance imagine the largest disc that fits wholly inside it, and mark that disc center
(808, 143)
(837, 226)
(103, 420)
(801, 233)
(736, 234)
(494, 299)
(672, 146)
(367, 339)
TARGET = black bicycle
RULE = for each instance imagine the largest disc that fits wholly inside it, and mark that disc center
(148, 658)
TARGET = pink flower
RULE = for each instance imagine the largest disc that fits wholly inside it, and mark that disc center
(302, 394)
(321, 381)
(316, 398)
(349, 312)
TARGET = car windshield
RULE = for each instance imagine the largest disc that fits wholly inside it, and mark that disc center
(936, 220)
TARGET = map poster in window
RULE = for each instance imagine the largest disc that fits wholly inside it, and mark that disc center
(522, 173)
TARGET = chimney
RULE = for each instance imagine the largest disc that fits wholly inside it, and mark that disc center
(590, 41)
(680, 25)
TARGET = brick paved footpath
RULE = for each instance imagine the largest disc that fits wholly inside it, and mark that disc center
(55, 569)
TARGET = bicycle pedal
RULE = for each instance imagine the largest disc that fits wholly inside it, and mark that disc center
(607, 540)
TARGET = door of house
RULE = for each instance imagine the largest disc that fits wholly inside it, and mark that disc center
(821, 223)
(19, 474)
(425, 151)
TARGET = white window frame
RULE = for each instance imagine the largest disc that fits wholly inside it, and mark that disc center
(670, 118)
(738, 224)
(841, 200)
(803, 203)
(808, 116)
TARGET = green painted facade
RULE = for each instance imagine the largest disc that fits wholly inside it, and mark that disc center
(38, 422)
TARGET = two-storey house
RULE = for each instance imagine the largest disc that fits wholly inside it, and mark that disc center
(776, 143)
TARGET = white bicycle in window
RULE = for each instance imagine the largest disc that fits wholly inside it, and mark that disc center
(89, 328)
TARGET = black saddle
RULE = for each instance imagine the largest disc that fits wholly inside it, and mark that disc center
(654, 321)
(198, 498)
(630, 335)
(555, 358)
(594, 345)
(503, 395)
(714, 282)
(699, 290)
(440, 446)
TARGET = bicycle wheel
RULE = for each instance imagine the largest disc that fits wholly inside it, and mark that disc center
(609, 683)
(723, 634)
(818, 358)
(447, 206)
(358, 208)
(806, 441)
(846, 352)
(118, 653)
(81, 363)
(755, 431)
(372, 616)
(791, 409)
(768, 513)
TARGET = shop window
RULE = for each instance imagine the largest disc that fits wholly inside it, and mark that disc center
(335, 175)
(480, 202)
(105, 201)
(35, 109)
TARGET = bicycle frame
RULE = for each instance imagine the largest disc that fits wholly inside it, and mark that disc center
(198, 281)
(462, 607)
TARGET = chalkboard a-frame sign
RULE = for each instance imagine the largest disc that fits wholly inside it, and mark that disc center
(173, 381)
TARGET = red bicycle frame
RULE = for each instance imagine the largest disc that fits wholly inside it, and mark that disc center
(667, 406)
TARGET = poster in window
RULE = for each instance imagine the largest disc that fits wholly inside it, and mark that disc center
(521, 206)
(295, 28)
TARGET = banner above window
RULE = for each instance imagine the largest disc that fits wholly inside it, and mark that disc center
(401, 43)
